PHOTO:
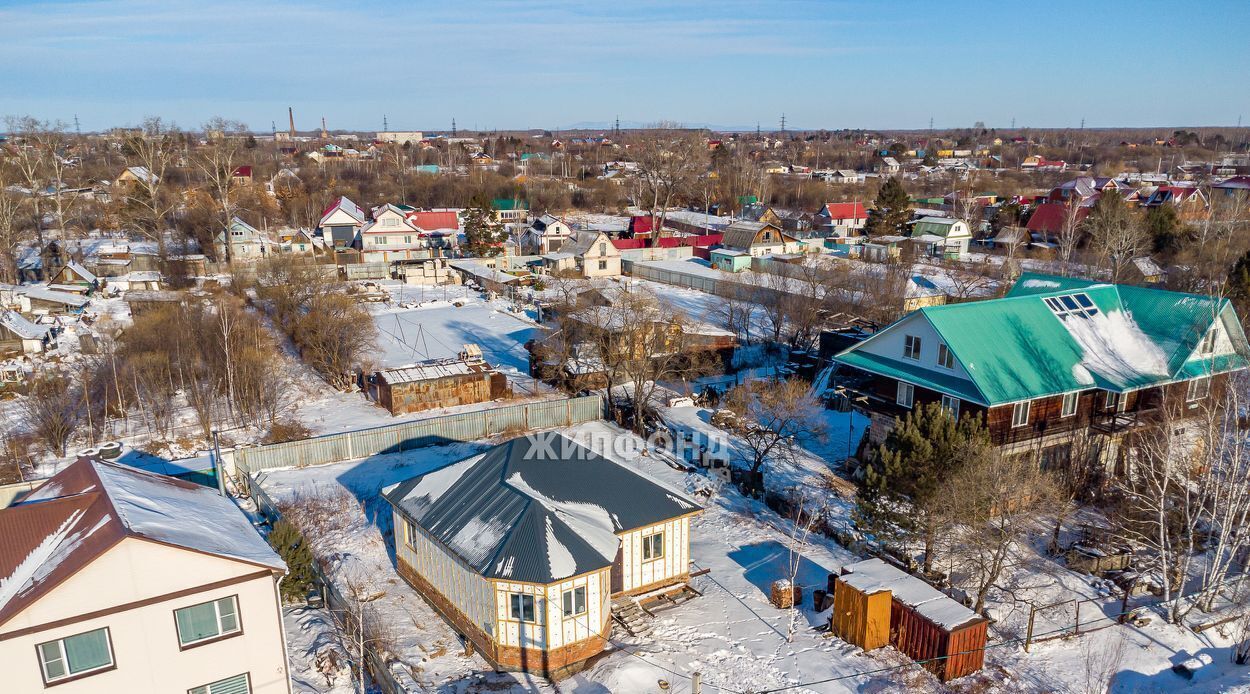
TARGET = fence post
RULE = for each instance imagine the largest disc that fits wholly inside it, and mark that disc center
(1028, 637)
(1077, 628)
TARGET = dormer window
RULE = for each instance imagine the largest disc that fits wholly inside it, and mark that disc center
(1072, 305)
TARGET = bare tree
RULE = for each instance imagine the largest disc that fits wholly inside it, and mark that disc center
(53, 410)
(774, 419)
(996, 499)
(1116, 234)
(13, 233)
(668, 169)
(217, 161)
(148, 200)
(1069, 234)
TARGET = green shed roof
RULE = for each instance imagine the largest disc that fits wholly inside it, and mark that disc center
(505, 204)
(1054, 335)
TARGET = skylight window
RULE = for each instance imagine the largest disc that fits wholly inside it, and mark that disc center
(1072, 305)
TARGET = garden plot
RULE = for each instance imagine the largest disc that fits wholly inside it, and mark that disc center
(439, 329)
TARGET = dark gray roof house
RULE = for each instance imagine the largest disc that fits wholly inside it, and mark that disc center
(509, 512)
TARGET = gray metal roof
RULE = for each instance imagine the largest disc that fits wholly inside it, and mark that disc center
(537, 509)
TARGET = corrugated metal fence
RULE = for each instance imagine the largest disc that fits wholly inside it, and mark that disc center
(467, 426)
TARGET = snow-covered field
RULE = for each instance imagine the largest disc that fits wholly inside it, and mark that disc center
(439, 328)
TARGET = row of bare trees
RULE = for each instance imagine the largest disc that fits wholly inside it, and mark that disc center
(331, 329)
(209, 360)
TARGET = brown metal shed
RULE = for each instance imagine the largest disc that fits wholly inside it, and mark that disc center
(950, 652)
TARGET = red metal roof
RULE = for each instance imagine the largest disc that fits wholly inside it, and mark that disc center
(629, 244)
(243, 171)
(429, 221)
(642, 224)
(846, 210)
(1049, 216)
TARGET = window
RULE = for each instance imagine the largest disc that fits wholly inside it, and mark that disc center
(1072, 305)
(1020, 414)
(768, 236)
(231, 685)
(575, 601)
(522, 607)
(603, 265)
(1208, 340)
(652, 546)
(390, 222)
(410, 531)
(407, 239)
(1111, 400)
(951, 405)
(1199, 388)
(1069, 404)
(208, 620)
(945, 358)
(911, 347)
(75, 655)
(603, 249)
(380, 240)
(906, 394)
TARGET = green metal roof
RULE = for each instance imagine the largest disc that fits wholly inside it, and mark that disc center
(505, 204)
(1119, 338)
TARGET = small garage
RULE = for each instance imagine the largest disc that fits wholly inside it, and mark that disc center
(872, 598)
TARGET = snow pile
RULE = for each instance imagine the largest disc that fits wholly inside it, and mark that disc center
(1115, 348)
(1036, 283)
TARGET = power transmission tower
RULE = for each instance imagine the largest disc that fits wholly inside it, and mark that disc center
(385, 127)
(78, 129)
(1013, 122)
(453, 127)
(783, 123)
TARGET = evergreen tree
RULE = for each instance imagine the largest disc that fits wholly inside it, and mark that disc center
(891, 210)
(1165, 227)
(903, 488)
(289, 543)
(484, 235)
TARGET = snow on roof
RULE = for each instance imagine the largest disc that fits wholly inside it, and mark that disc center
(85, 509)
(143, 174)
(873, 576)
(347, 207)
(434, 369)
(538, 509)
(21, 327)
(45, 294)
(81, 271)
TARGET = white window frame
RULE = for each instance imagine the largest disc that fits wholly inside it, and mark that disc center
(910, 390)
(516, 607)
(221, 631)
(946, 358)
(951, 404)
(64, 659)
(1074, 399)
(208, 688)
(1017, 419)
(1111, 401)
(573, 602)
(911, 347)
(651, 549)
(1191, 394)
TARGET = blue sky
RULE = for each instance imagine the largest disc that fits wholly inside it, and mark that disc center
(537, 63)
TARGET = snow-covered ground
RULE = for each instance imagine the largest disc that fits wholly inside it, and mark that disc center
(439, 329)
(732, 634)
